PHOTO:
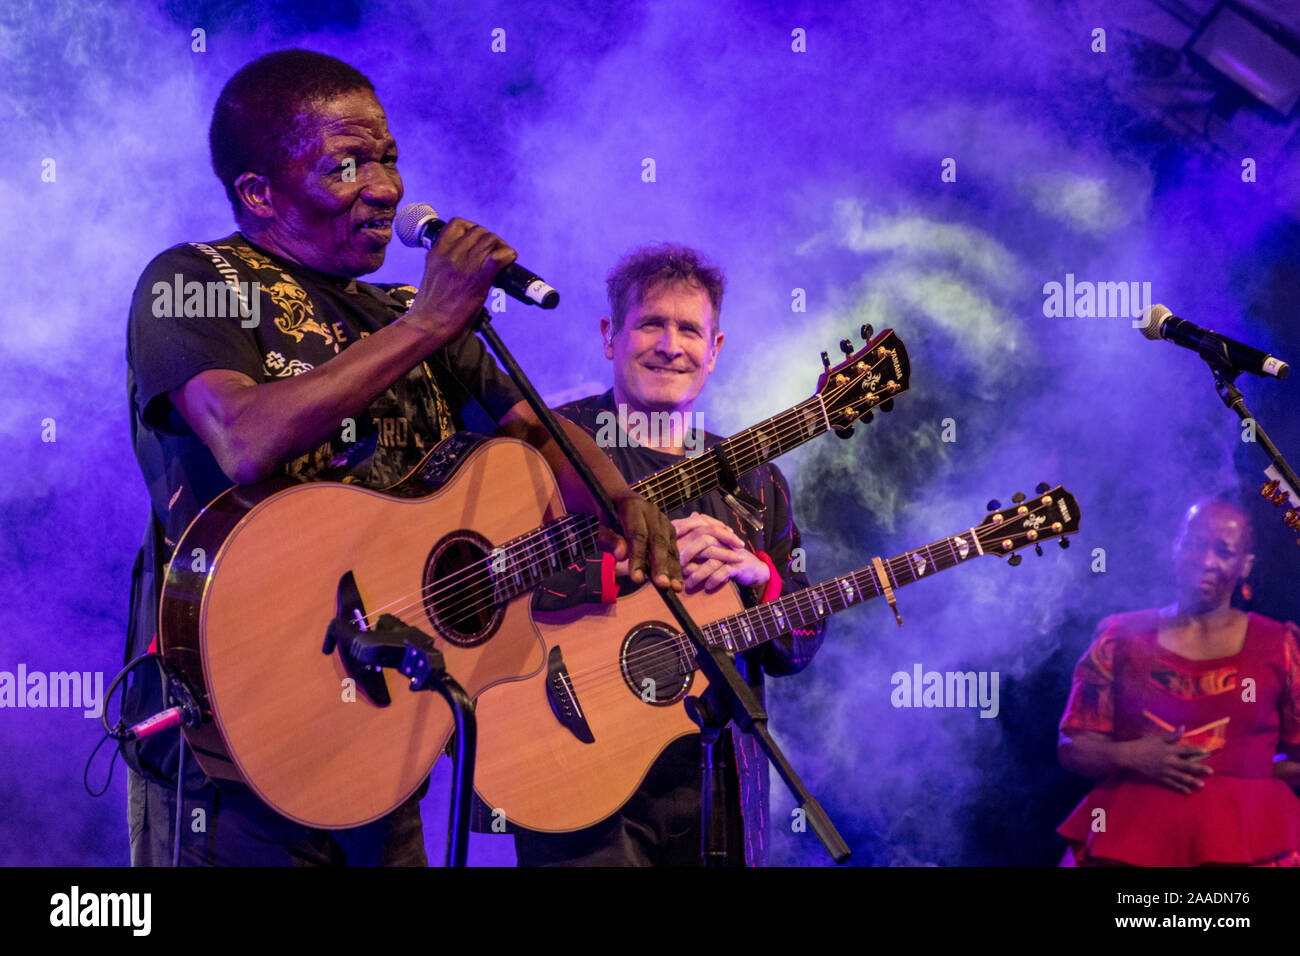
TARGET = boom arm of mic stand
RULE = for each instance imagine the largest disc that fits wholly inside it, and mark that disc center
(1225, 376)
(734, 694)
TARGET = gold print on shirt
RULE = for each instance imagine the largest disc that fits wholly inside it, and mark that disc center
(393, 432)
(255, 259)
(277, 367)
(403, 293)
(295, 315)
(441, 412)
(309, 465)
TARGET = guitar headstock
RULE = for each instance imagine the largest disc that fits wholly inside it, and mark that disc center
(868, 378)
(1280, 494)
(1051, 513)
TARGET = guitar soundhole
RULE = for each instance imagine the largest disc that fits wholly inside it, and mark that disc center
(458, 594)
(657, 664)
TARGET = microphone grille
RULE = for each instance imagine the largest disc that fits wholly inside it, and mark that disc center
(1153, 317)
(409, 220)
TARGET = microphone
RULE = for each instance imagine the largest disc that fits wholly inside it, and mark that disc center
(418, 225)
(1160, 323)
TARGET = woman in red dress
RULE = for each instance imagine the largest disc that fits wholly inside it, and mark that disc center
(1189, 719)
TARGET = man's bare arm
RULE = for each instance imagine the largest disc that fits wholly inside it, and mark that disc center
(651, 540)
(253, 429)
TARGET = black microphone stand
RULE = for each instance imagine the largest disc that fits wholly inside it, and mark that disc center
(1225, 376)
(732, 694)
(394, 644)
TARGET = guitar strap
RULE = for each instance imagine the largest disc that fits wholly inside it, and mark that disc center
(228, 272)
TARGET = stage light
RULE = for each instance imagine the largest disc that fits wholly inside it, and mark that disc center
(1261, 57)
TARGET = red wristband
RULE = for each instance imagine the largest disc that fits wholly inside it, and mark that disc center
(608, 585)
(773, 589)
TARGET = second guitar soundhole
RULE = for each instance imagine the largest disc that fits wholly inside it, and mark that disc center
(657, 664)
(458, 593)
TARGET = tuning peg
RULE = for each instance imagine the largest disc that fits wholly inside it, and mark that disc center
(1042, 488)
(1014, 560)
(1018, 497)
(887, 405)
(846, 346)
(1038, 550)
(867, 417)
(826, 362)
(866, 332)
(1063, 542)
(993, 504)
(845, 432)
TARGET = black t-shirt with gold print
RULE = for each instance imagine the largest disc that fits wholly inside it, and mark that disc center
(185, 319)
(227, 304)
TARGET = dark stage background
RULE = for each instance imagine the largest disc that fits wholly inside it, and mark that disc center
(924, 166)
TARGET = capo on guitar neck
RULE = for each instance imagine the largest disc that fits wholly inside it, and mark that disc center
(886, 589)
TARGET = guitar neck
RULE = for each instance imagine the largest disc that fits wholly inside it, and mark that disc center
(723, 464)
(522, 564)
(766, 622)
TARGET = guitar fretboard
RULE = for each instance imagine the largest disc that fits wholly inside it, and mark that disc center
(769, 621)
(724, 463)
(525, 562)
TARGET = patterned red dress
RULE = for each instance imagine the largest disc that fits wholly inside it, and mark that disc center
(1242, 708)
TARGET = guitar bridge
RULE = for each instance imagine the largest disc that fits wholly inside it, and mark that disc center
(563, 699)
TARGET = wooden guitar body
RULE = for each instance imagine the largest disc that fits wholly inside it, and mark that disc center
(564, 749)
(543, 775)
(259, 575)
(253, 586)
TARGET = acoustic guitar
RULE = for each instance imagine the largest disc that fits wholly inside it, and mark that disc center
(564, 750)
(453, 549)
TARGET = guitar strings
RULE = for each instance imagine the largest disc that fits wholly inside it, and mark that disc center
(524, 554)
(480, 571)
(802, 600)
(753, 432)
(675, 471)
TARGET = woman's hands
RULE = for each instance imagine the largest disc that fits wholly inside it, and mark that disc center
(1160, 759)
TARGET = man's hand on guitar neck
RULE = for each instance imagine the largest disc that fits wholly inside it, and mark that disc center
(650, 546)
